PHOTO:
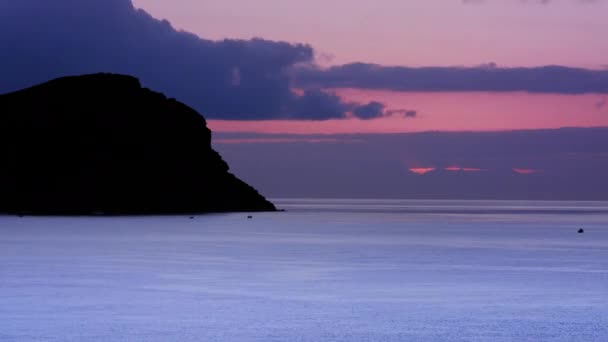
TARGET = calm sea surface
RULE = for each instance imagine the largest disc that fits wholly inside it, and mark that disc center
(325, 270)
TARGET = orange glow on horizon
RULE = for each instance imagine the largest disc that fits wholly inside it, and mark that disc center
(425, 170)
(422, 170)
(526, 171)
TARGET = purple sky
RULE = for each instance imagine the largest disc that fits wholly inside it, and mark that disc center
(412, 32)
(566, 164)
(482, 122)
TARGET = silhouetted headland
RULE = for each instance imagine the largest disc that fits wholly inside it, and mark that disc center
(102, 144)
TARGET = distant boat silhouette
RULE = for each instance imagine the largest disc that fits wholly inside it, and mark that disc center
(581, 231)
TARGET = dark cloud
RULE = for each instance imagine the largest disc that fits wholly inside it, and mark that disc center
(369, 111)
(489, 77)
(317, 105)
(537, 164)
(406, 113)
(229, 79)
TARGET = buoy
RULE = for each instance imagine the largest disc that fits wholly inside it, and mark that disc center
(581, 231)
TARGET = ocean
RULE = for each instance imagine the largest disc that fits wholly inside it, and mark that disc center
(323, 270)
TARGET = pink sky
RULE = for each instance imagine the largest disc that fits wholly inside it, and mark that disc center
(412, 32)
(447, 112)
(417, 33)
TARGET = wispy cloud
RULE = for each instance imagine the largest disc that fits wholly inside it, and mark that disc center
(464, 169)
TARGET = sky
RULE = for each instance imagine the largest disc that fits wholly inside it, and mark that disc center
(418, 33)
(412, 32)
(565, 164)
(363, 79)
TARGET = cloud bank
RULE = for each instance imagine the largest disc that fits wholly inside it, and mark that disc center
(229, 79)
(491, 78)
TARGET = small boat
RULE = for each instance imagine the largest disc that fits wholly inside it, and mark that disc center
(581, 231)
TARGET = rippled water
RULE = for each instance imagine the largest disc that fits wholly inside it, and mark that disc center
(325, 270)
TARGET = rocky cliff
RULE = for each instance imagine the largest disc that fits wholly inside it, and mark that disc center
(103, 144)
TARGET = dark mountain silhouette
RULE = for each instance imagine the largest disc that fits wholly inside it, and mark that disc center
(103, 144)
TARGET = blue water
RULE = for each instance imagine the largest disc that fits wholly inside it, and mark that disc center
(325, 270)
